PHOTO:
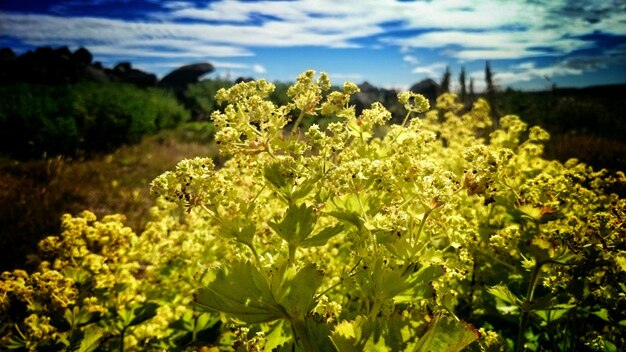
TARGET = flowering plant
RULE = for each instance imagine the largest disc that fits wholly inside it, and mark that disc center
(440, 233)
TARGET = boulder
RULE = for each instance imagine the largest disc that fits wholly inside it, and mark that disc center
(96, 74)
(428, 88)
(368, 95)
(180, 78)
(124, 72)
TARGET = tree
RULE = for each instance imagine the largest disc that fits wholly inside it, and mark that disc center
(471, 88)
(489, 79)
(462, 84)
(491, 92)
(445, 80)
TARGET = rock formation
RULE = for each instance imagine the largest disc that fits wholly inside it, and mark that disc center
(46, 65)
(180, 78)
(124, 72)
(428, 88)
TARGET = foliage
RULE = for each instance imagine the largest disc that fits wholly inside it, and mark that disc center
(100, 285)
(442, 234)
(87, 117)
(200, 97)
(197, 131)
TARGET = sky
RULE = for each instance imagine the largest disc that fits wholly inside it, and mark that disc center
(530, 44)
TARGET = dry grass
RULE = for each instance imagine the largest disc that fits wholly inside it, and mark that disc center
(599, 152)
(34, 194)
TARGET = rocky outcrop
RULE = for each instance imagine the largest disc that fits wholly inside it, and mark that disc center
(428, 88)
(370, 94)
(180, 78)
(46, 65)
(124, 72)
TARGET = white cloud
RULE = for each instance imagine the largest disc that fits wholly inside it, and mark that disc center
(528, 71)
(455, 29)
(258, 69)
(433, 70)
(177, 5)
(240, 67)
(500, 29)
(411, 59)
(198, 53)
(493, 45)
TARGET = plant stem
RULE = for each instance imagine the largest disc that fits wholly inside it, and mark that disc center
(406, 118)
(525, 311)
(122, 340)
(421, 228)
(301, 336)
(295, 124)
(292, 253)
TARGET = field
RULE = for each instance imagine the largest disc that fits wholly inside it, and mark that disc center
(37, 192)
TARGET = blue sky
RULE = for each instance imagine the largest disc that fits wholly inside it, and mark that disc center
(531, 44)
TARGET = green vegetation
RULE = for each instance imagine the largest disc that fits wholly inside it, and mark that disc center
(200, 97)
(441, 233)
(70, 120)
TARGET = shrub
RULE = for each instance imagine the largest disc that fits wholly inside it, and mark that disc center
(200, 97)
(86, 117)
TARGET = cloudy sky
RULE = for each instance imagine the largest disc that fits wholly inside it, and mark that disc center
(531, 43)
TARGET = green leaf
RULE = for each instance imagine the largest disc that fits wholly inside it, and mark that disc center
(603, 314)
(397, 332)
(319, 333)
(445, 333)
(144, 312)
(350, 217)
(350, 208)
(322, 237)
(409, 283)
(276, 176)
(502, 292)
(297, 224)
(555, 312)
(298, 289)
(240, 230)
(351, 336)
(77, 317)
(137, 315)
(303, 189)
(279, 335)
(241, 291)
(197, 328)
(91, 339)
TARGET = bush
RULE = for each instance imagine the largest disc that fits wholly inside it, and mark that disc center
(434, 236)
(82, 118)
(200, 97)
(197, 131)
